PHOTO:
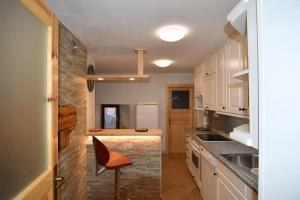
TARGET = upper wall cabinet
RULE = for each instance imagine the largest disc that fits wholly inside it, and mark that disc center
(220, 63)
(237, 90)
(220, 89)
(238, 17)
(209, 100)
(208, 67)
(198, 81)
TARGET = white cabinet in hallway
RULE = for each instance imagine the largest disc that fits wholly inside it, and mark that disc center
(220, 80)
(237, 90)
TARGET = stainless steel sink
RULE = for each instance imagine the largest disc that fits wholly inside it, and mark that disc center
(248, 163)
(212, 137)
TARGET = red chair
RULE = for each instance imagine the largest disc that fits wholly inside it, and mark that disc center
(106, 160)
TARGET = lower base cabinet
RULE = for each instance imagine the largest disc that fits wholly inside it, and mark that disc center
(220, 183)
(208, 180)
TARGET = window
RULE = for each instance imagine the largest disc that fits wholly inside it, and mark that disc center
(180, 99)
(110, 115)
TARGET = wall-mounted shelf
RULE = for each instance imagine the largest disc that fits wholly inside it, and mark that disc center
(238, 17)
(242, 75)
(119, 77)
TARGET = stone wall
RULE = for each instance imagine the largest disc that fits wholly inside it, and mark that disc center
(72, 89)
(142, 178)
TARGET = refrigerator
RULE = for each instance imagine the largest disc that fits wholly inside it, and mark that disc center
(147, 115)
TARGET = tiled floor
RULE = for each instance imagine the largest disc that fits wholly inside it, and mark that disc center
(177, 183)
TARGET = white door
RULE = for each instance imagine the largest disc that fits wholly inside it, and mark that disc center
(220, 80)
(28, 106)
(237, 92)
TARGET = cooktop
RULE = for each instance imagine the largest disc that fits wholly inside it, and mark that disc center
(212, 137)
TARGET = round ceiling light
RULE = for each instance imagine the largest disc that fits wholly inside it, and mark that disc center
(172, 33)
(163, 63)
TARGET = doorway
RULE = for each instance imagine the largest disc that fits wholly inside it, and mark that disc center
(179, 116)
(110, 116)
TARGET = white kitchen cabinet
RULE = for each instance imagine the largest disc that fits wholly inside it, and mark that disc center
(198, 81)
(208, 66)
(226, 190)
(209, 92)
(208, 179)
(218, 182)
(220, 76)
(209, 99)
(237, 90)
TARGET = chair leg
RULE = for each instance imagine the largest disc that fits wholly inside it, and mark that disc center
(116, 183)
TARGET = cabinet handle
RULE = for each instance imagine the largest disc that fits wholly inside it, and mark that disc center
(206, 74)
(223, 107)
(206, 106)
(242, 109)
(215, 173)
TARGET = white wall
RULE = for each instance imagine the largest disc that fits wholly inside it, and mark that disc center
(90, 101)
(125, 115)
(279, 99)
(131, 93)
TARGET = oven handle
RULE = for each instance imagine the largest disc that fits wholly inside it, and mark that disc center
(196, 147)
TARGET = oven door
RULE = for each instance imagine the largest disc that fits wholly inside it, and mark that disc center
(195, 162)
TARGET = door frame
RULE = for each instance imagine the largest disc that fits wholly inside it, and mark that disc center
(118, 114)
(167, 119)
(42, 187)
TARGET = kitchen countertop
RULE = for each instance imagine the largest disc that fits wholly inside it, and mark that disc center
(217, 148)
(125, 132)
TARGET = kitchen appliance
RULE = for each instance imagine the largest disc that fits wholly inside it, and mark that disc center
(147, 115)
(196, 162)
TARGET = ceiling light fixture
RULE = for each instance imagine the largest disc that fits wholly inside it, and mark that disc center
(100, 79)
(131, 79)
(172, 33)
(163, 63)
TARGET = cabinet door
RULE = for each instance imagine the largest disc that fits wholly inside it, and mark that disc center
(224, 192)
(209, 92)
(237, 90)
(208, 180)
(208, 67)
(197, 84)
(220, 80)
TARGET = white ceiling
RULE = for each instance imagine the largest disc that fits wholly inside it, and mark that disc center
(111, 29)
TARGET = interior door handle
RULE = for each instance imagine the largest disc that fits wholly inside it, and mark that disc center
(59, 181)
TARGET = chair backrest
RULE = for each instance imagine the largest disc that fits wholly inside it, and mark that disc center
(101, 152)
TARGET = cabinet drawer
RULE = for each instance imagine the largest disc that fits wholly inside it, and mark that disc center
(226, 190)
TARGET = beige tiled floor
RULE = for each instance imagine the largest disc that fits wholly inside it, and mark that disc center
(177, 183)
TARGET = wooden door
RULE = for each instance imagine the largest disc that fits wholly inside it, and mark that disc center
(42, 185)
(220, 80)
(237, 90)
(180, 101)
